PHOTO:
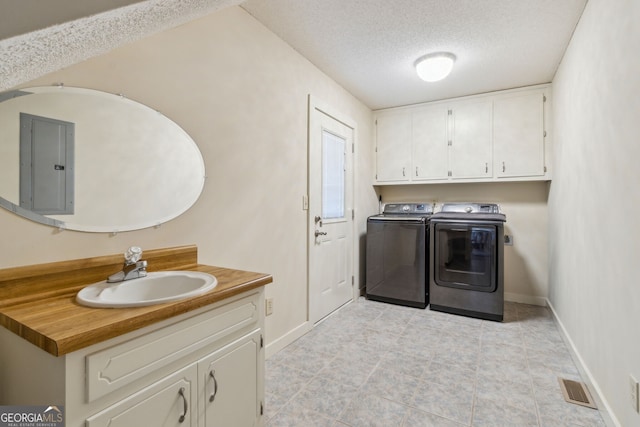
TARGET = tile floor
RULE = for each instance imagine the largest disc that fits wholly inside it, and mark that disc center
(376, 364)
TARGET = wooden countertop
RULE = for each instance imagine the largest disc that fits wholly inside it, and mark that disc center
(38, 302)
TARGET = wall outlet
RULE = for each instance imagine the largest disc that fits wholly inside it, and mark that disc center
(508, 240)
(634, 392)
(268, 306)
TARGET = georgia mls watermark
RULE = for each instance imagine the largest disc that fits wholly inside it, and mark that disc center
(31, 416)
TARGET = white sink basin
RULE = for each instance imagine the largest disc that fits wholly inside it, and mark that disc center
(156, 288)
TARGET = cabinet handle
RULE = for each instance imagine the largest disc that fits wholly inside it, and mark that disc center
(486, 168)
(416, 171)
(186, 405)
(212, 374)
(504, 168)
(403, 172)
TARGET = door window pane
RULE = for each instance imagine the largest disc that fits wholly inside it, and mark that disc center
(333, 176)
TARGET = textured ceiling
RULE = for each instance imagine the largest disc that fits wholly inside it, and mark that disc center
(23, 16)
(370, 46)
(367, 46)
(27, 56)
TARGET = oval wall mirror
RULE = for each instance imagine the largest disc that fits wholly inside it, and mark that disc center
(86, 160)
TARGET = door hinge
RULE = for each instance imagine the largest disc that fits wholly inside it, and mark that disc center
(353, 280)
(261, 341)
(353, 214)
(261, 408)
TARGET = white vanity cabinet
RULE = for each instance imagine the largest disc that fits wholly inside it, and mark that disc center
(493, 137)
(162, 375)
(219, 390)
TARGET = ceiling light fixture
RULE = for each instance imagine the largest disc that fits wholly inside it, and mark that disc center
(435, 66)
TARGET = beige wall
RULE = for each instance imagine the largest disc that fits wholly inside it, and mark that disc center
(525, 205)
(594, 199)
(241, 93)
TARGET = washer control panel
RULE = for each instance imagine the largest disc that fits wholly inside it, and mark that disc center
(408, 208)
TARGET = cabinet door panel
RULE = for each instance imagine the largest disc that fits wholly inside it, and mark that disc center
(230, 384)
(471, 140)
(393, 145)
(518, 135)
(430, 143)
(160, 405)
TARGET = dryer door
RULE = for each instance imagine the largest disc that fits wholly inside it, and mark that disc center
(465, 256)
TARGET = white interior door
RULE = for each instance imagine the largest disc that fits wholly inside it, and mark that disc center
(330, 211)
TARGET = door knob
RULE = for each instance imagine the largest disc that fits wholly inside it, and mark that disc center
(320, 233)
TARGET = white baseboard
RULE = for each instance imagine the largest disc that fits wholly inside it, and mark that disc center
(525, 299)
(605, 410)
(287, 339)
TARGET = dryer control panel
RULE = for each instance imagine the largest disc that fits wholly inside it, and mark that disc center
(490, 208)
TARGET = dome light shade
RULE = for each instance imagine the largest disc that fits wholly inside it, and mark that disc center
(435, 66)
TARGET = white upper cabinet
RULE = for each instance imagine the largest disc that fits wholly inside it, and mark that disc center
(430, 140)
(518, 135)
(393, 150)
(494, 137)
(471, 140)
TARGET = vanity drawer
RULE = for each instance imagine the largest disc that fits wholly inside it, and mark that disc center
(160, 404)
(114, 367)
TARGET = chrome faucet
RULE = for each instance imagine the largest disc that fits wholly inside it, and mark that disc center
(133, 267)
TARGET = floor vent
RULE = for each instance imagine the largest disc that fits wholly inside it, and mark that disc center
(576, 392)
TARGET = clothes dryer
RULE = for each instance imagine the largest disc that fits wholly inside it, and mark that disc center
(467, 265)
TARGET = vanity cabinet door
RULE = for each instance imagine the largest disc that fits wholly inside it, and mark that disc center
(393, 146)
(169, 402)
(230, 386)
(471, 154)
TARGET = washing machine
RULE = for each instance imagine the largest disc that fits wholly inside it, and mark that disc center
(397, 257)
